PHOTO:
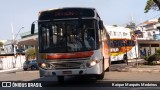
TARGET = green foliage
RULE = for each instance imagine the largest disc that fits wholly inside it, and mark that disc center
(115, 25)
(30, 53)
(146, 58)
(131, 25)
(1, 44)
(151, 58)
(152, 4)
(158, 52)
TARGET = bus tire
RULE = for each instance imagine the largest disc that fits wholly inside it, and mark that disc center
(109, 61)
(107, 70)
(101, 76)
(60, 79)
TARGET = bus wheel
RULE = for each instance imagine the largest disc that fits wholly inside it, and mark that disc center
(101, 76)
(109, 61)
(60, 79)
(107, 70)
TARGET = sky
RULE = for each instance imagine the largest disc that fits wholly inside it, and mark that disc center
(21, 13)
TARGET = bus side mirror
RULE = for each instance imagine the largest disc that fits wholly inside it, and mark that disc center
(101, 24)
(32, 28)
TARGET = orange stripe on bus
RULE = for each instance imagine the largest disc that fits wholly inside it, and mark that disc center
(127, 48)
(70, 55)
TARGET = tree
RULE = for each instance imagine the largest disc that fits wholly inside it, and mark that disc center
(115, 25)
(131, 25)
(30, 53)
(152, 4)
(1, 44)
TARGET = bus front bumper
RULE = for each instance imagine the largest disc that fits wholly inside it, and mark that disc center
(96, 69)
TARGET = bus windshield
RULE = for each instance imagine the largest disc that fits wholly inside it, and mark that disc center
(61, 36)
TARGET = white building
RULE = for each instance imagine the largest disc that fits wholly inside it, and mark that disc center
(8, 47)
(149, 29)
(150, 40)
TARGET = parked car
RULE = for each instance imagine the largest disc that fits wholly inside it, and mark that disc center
(32, 65)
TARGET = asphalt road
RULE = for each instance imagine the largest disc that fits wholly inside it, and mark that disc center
(82, 82)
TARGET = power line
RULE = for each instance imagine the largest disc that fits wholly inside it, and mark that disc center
(149, 19)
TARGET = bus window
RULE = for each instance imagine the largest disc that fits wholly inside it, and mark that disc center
(114, 33)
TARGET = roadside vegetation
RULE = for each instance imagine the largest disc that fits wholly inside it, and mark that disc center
(153, 59)
(155, 6)
(30, 54)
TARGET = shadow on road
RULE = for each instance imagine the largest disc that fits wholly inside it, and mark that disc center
(70, 81)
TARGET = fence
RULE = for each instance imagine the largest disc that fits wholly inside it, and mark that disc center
(10, 61)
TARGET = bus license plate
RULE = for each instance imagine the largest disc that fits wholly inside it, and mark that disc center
(67, 72)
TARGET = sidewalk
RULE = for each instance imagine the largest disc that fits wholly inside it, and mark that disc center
(10, 70)
(131, 67)
(134, 67)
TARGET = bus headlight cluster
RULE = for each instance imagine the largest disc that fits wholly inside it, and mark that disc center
(92, 63)
(45, 65)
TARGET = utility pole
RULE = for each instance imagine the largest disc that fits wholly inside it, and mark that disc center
(134, 37)
(13, 40)
(14, 49)
(14, 43)
(125, 44)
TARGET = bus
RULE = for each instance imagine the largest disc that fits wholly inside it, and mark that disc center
(122, 46)
(72, 41)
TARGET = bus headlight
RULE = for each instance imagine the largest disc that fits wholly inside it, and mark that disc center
(44, 65)
(92, 63)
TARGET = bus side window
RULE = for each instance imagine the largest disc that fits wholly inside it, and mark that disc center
(115, 43)
(120, 43)
(129, 43)
(111, 43)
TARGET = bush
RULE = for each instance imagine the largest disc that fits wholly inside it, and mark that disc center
(158, 52)
(152, 58)
(146, 58)
(30, 53)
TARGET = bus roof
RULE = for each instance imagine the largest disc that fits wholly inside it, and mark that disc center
(118, 32)
(66, 8)
(68, 12)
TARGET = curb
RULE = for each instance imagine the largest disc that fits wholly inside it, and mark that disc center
(9, 70)
(132, 67)
(150, 70)
(28, 71)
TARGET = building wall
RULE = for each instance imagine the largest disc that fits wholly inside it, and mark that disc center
(8, 47)
(9, 62)
(149, 48)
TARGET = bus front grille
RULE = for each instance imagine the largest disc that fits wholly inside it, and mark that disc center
(67, 65)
